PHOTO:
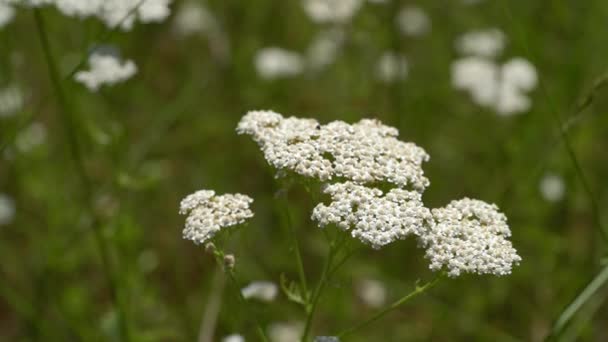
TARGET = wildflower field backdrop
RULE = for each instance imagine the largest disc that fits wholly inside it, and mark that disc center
(111, 112)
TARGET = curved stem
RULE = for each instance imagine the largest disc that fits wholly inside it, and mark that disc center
(417, 291)
(76, 154)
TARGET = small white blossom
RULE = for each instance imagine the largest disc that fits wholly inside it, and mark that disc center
(265, 291)
(7, 209)
(324, 49)
(331, 11)
(105, 70)
(391, 67)
(11, 101)
(482, 43)
(375, 218)
(372, 292)
(413, 21)
(501, 88)
(273, 63)
(364, 152)
(233, 338)
(208, 213)
(285, 331)
(470, 236)
(520, 73)
(193, 18)
(114, 13)
(7, 14)
(552, 187)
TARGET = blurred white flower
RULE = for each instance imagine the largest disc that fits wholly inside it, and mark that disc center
(11, 101)
(520, 73)
(367, 152)
(331, 11)
(391, 67)
(208, 213)
(233, 338)
(285, 331)
(114, 13)
(374, 218)
(265, 291)
(105, 69)
(552, 187)
(483, 43)
(193, 18)
(7, 209)
(372, 292)
(470, 236)
(413, 21)
(30, 137)
(273, 63)
(324, 49)
(501, 88)
(7, 14)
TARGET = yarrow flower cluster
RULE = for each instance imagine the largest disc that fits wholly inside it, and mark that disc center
(208, 213)
(364, 152)
(105, 69)
(375, 218)
(331, 11)
(114, 13)
(470, 236)
(503, 87)
(355, 160)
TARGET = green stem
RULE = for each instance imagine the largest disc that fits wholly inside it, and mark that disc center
(417, 291)
(219, 255)
(77, 156)
(295, 245)
(317, 292)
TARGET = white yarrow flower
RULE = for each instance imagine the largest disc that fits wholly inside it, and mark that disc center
(371, 216)
(105, 70)
(7, 209)
(265, 291)
(274, 63)
(483, 43)
(364, 152)
(324, 49)
(331, 11)
(470, 236)
(207, 213)
(552, 187)
(413, 21)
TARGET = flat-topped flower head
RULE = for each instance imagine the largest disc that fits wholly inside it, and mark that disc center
(371, 216)
(208, 213)
(366, 152)
(470, 236)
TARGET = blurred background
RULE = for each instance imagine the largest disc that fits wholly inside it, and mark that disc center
(505, 96)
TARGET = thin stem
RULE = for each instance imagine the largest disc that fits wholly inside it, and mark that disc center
(317, 292)
(219, 257)
(561, 126)
(417, 291)
(77, 156)
(295, 245)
